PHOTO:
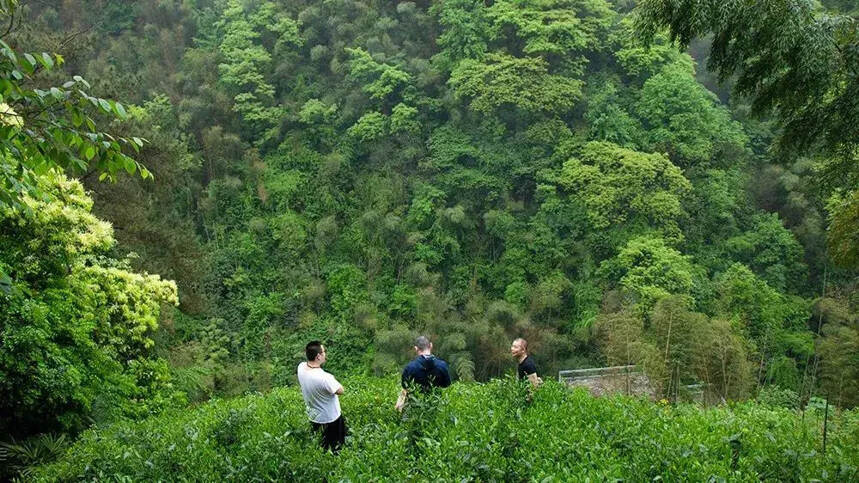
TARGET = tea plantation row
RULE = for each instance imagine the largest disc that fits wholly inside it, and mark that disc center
(481, 432)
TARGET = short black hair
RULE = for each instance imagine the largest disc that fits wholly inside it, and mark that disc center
(313, 349)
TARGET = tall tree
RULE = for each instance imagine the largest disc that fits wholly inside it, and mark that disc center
(77, 325)
(788, 55)
(793, 59)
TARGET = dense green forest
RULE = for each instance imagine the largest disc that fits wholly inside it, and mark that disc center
(672, 184)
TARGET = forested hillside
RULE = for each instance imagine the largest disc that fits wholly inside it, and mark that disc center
(362, 171)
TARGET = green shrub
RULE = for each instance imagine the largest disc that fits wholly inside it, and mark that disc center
(469, 432)
(776, 396)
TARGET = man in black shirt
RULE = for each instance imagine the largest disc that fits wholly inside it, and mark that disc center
(425, 371)
(527, 367)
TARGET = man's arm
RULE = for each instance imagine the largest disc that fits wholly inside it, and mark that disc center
(335, 387)
(444, 379)
(535, 380)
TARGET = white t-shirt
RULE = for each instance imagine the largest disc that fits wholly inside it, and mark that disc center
(318, 388)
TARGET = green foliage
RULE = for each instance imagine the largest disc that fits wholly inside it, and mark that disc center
(789, 57)
(251, 33)
(608, 120)
(315, 111)
(621, 335)
(502, 81)
(675, 346)
(640, 60)
(346, 289)
(20, 458)
(360, 173)
(718, 202)
(778, 397)
(163, 243)
(756, 306)
(843, 236)
(724, 363)
(681, 118)
(379, 80)
(771, 251)
(465, 32)
(625, 188)
(553, 29)
(77, 325)
(470, 431)
(404, 119)
(837, 351)
(52, 128)
(369, 127)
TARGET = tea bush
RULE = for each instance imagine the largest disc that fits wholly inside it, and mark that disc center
(470, 432)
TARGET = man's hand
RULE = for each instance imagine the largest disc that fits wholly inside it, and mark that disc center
(401, 400)
(536, 381)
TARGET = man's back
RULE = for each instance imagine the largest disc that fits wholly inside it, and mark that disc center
(426, 371)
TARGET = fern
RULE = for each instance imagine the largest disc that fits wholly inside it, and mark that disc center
(20, 458)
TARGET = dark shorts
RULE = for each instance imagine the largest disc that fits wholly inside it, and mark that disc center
(333, 433)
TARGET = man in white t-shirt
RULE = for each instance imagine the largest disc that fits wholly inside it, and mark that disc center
(320, 390)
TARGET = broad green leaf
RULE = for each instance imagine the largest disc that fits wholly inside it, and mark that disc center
(120, 110)
(28, 63)
(47, 61)
(130, 165)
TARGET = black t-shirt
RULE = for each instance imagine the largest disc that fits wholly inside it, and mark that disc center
(527, 367)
